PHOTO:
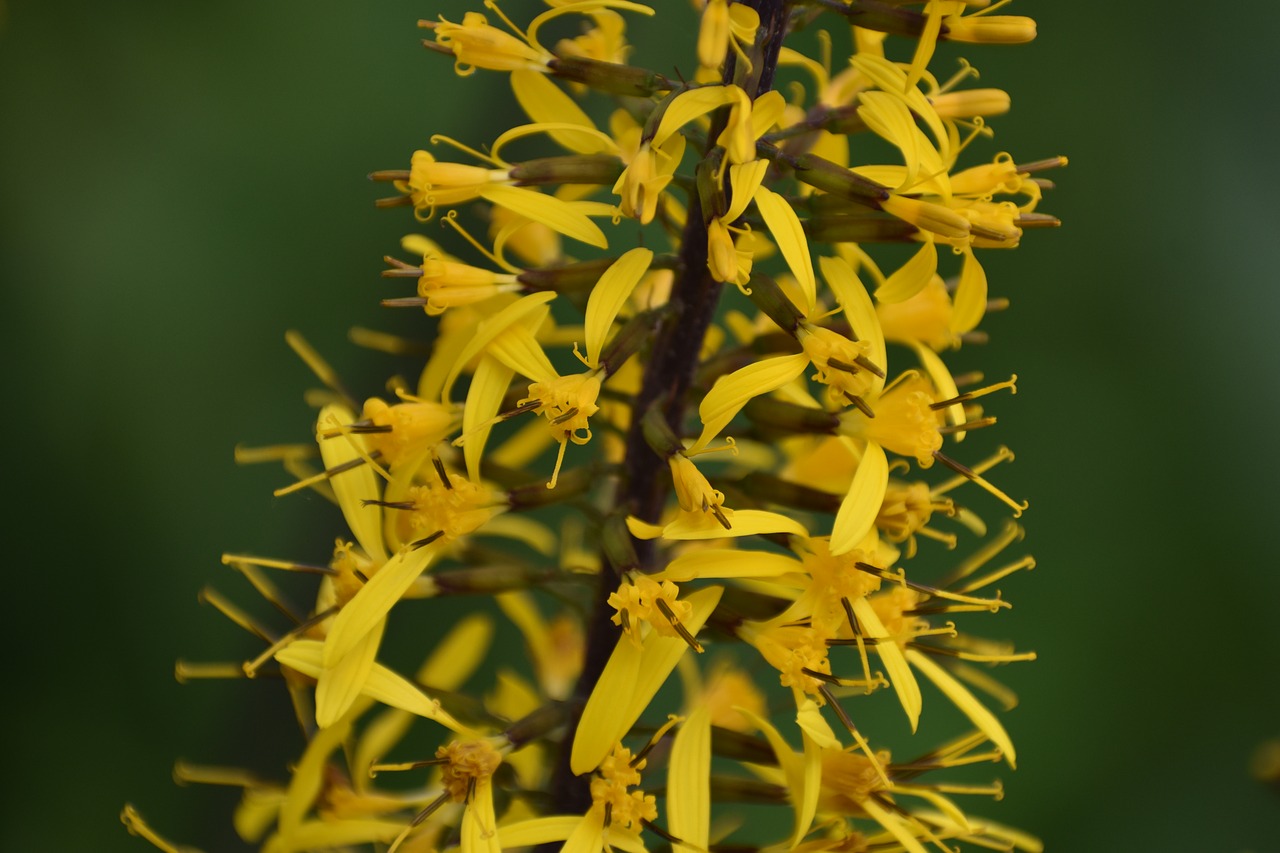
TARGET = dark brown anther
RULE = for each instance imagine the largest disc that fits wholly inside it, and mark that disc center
(388, 504)
(426, 540)
(860, 404)
(967, 425)
(527, 406)
(569, 415)
(405, 302)
(441, 472)
(390, 175)
(680, 628)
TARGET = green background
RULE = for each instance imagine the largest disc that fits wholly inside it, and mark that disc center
(180, 183)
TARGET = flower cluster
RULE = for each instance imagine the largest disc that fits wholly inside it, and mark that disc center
(645, 469)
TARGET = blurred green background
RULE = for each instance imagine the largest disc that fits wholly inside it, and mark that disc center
(180, 183)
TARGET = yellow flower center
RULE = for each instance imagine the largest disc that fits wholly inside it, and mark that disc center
(465, 764)
(408, 428)
(623, 808)
(848, 778)
(904, 421)
(648, 601)
(455, 508)
(841, 363)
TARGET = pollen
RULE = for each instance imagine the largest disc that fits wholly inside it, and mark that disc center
(626, 809)
(466, 763)
(904, 421)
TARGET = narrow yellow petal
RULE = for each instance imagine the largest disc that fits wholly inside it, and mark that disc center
(912, 276)
(629, 682)
(643, 529)
(861, 504)
(609, 295)
(489, 329)
(970, 301)
(555, 214)
(960, 696)
(459, 654)
(333, 834)
(598, 728)
(517, 348)
(374, 601)
(944, 805)
(927, 41)
(730, 393)
(337, 688)
(861, 311)
(542, 830)
(767, 110)
(308, 775)
(744, 180)
(354, 486)
(900, 674)
(523, 529)
(810, 720)
(727, 563)
(689, 105)
(479, 829)
(788, 233)
(588, 836)
(697, 526)
(544, 102)
(811, 774)
(888, 117)
(488, 386)
(689, 782)
(382, 685)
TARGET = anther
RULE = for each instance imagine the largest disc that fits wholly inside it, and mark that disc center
(967, 425)
(860, 404)
(1011, 383)
(426, 540)
(375, 769)
(528, 406)
(389, 175)
(388, 504)
(675, 623)
(568, 415)
(443, 474)
(405, 302)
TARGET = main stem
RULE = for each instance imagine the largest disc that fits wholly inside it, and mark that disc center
(673, 361)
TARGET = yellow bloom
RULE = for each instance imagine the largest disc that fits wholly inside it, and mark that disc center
(477, 44)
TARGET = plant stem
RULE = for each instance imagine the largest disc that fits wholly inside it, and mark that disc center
(667, 377)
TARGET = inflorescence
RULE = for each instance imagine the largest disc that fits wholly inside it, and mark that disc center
(759, 488)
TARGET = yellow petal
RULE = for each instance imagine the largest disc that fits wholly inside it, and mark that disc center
(727, 563)
(517, 348)
(308, 775)
(598, 728)
(970, 301)
(333, 834)
(519, 310)
(688, 782)
(544, 102)
(542, 830)
(629, 682)
(459, 654)
(382, 685)
(689, 105)
(861, 504)
(696, 526)
(788, 233)
(767, 109)
(960, 696)
(912, 276)
(811, 775)
(488, 386)
(555, 214)
(887, 116)
(588, 836)
(374, 601)
(643, 529)
(337, 688)
(891, 77)
(744, 179)
(730, 393)
(609, 295)
(479, 828)
(523, 529)
(900, 675)
(810, 720)
(354, 486)
(861, 311)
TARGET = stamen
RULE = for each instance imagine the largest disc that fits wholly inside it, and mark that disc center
(1042, 165)
(268, 590)
(608, 814)
(326, 474)
(675, 623)
(388, 343)
(860, 404)
(451, 219)
(992, 604)
(426, 540)
(1010, 383)
(390, 175)
(568, 415)
(234, 777)
(375, 769)
(274, 453)
(184, 671)
(405, 302)
(967, 425)
(520, 409)
(441, 472)
(1018, 508)
(718, 512)
(859, 640)
(1003, 454)
(655, 739)
(388, 504)
(857, 736)
(395, 201)
(418, 819)
(238, 560)
(1028, 562)
(659, 831)
(321, 368)
(437, 138)
(211, 596)
(251, 668)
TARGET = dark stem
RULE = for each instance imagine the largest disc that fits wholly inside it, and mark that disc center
(673, 360)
